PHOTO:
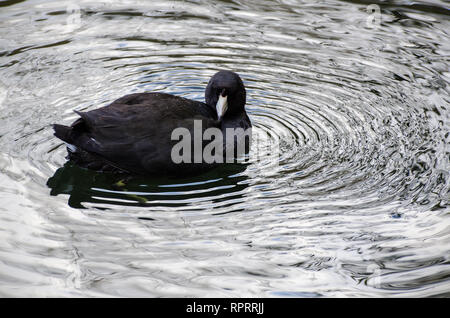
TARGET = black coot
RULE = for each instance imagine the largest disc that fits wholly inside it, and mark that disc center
(138, 133)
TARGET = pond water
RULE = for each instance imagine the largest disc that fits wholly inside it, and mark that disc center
(355, 201)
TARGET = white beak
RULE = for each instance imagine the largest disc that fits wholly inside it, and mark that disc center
(221, 106)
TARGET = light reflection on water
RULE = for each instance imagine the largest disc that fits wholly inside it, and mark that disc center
(355, 205)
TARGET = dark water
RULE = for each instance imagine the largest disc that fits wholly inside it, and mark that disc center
(354, 202)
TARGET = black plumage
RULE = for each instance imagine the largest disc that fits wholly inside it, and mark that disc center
(133, 134)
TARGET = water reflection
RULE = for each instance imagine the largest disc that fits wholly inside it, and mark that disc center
(105, 189)
(356, 202)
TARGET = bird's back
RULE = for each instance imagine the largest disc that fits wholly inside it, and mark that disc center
(134, 132)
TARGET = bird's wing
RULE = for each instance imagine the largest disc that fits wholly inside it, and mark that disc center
(135, 131)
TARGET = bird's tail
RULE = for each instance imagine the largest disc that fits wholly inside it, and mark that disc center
(63, 132)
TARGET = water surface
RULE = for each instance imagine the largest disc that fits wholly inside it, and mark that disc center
(356, 202)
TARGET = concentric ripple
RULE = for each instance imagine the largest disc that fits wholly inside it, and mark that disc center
(345, 191)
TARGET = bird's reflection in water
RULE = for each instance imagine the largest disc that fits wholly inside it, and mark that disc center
(106, 189)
